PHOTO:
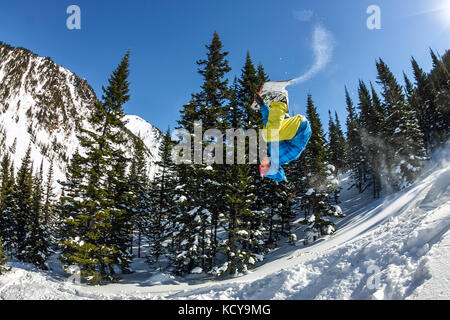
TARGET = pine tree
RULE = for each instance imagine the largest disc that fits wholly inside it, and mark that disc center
(23, 211)
(37, 241)
(249, 84)
(194, 227)
(337, 145)
(355, 152)
(49, 195)
(215, 89)
(279, 215)
(375, 142)
(367, 131)
(140, 189)
(234, 113)
(342, 143)
(320, 181)
(7, 204)
(70, 201)
(3, 258)
(262, 75)
(163, 206)
(403, 134)
(440, 75)
(440, 115)
(242, 239)
(120, 235)
(203, 186)
(49, 210)
(97, 228)
(250, 81)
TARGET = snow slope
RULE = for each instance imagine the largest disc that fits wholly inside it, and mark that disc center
(393, 248)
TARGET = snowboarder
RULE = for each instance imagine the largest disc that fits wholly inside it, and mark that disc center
(287, 137)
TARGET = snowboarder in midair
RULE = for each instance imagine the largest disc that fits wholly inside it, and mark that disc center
(287, 137)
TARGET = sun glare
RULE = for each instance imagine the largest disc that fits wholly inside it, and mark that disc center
(444, 13)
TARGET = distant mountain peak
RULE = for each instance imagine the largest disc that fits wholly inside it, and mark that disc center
(44, 106)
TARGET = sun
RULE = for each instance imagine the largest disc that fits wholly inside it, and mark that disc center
(440, 11)
(443, 13)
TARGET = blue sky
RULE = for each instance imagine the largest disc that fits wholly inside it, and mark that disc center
(167, 37)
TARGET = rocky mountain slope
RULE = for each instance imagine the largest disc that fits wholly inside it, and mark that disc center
(44, 106)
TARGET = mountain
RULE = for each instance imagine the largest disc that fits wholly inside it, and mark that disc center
(45, 106)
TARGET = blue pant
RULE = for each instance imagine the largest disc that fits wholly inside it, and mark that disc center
(288, 151)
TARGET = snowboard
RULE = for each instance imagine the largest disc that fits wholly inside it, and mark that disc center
(273, 91)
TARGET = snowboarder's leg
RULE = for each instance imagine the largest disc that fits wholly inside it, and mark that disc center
(277, 114)
(292, 149)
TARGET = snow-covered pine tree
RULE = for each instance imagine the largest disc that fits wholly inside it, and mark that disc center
(163, 210)
(279, 215)
(7, 204)
(440, 77)
(49, 210)
(262, 75)
(422, 100)
(365, 107)
(69, 204)
(355, 150)
(296, 171)
(37, 240)
(186, 227)
(249, 84)
(193, 226)
(337, 147)
(97, 229)
(320, 181)
(120, 235)
(215, 92)
(250, 81)
(403, 134)
(446, 59)
(234, 113)
(114, 97)
(140, 199)
(374, 142)
(23, 210)
(239, 223)
(370, 125)
(208, 106)
(342, 142)
(3, 258)
(234, 204)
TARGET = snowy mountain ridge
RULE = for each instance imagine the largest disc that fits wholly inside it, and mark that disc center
(44, 106)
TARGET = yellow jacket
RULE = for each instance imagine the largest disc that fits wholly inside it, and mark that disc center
(276, 126)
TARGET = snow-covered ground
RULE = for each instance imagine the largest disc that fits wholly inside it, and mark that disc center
(392, 248)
